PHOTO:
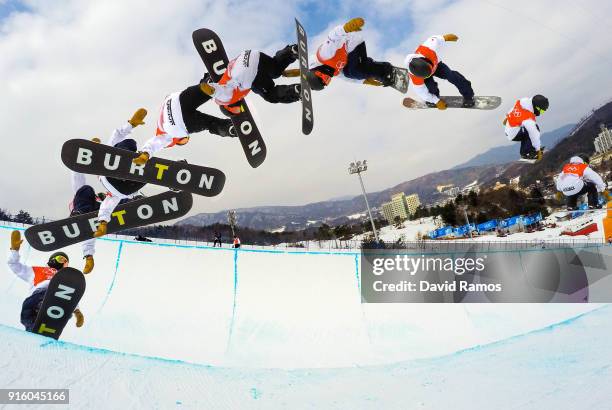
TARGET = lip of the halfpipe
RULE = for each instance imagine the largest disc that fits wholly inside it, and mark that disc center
(262, 308)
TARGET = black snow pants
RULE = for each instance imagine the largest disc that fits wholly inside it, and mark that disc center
(30, 308)
(526, 145)
(85, 200)
(590, 189)
(453, 77)
(195, 121)
(271, 68)
(360, 67)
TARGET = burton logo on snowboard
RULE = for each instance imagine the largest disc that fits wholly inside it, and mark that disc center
(88, 157)
(307, 113)
(212, 52)
(65, 290)
(151, 210)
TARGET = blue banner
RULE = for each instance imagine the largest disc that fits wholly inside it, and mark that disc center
(487, 226)
(531, 219)
(507, 223)
(441, 232)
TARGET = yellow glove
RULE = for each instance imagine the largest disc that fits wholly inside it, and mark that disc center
(138, 117)
(89, 264)
(16, 240)
(539, 155)
(441, 105)
(101, 231)
(80, 319)
(606, 195)
(354, 24)
(292, 72)
(371, 81)
(142, 158)
(505, 120)
(558, 196)
(96, 140)
(207, 89)
(450, 37)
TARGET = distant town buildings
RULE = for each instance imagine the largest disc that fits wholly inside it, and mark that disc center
(472, 187)
(451, 191)
(603, 146)
(401, 206)
(603, 143)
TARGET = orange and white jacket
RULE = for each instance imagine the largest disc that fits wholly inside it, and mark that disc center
(170, 126)
(36, 276)
(429, 49)
(237, 79)
(522, 116)
(334, 51)
(571, 180)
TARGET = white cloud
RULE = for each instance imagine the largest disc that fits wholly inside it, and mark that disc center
(75, 69)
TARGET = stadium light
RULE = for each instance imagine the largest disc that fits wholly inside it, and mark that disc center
(357, 168)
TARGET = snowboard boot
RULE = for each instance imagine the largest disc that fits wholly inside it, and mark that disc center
(388, 79)
(530, 156)
(223, 128)
(89, 264)
(101, 231)
(468, 102)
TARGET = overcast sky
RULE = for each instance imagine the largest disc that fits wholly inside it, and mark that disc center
(79, 68)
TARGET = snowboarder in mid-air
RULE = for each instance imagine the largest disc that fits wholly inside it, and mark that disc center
(344, 54)
(179, 118)
(119, 190)
(253, 70)
(85, 200)
(38, 277)
(577, 179)
(521, 126)
(425, 63)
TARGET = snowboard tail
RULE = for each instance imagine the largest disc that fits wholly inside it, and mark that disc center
(65, 290)
(88, 157)
(400, 82)
(211, 51)
(163, 207)
(481, 103)
(307, 112)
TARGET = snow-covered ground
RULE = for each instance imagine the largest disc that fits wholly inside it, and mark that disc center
(197, 327)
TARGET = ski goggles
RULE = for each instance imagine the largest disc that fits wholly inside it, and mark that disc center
(60, 259)
(540, 110)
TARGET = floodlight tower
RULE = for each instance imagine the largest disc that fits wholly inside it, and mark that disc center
(357, 168)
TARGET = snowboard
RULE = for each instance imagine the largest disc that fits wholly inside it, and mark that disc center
(530, 161)
(400, 82)
(211, 50)
(307, 113)
(482, 103)
(88, 157)
(65, 290)
(163, 207)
